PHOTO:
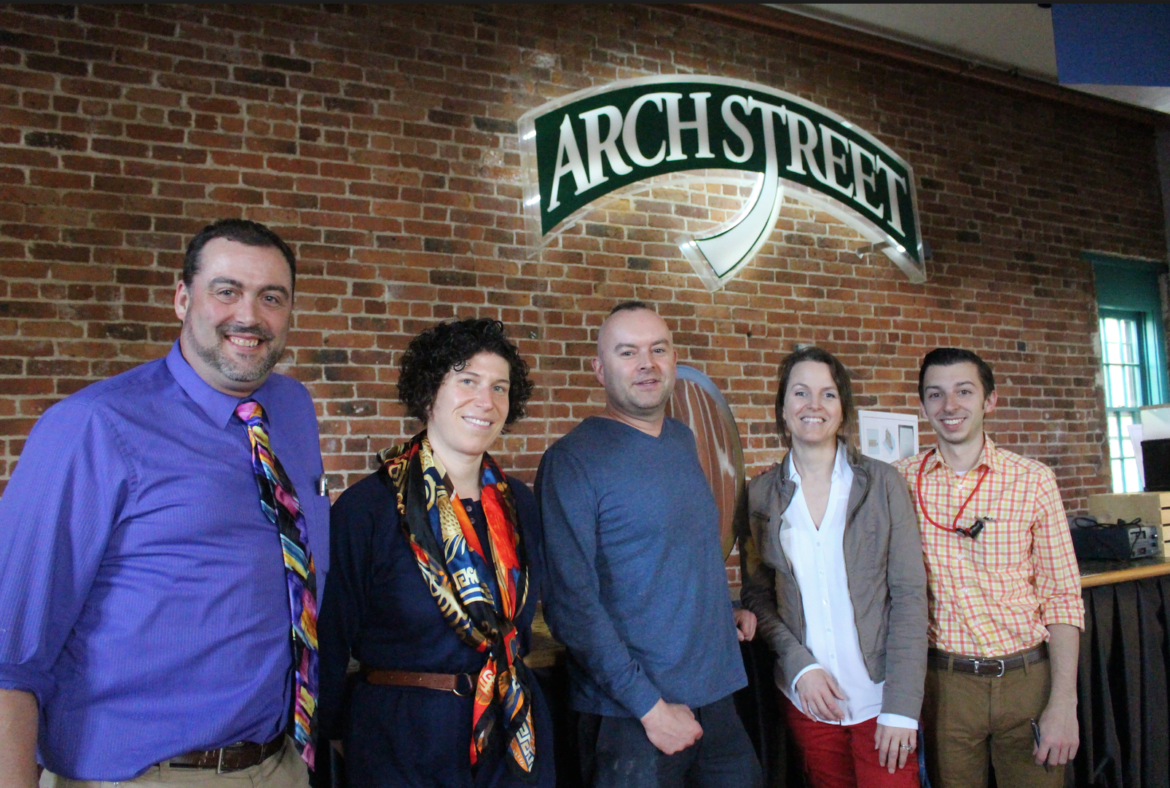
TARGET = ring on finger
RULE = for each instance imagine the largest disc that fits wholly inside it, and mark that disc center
(905, 747)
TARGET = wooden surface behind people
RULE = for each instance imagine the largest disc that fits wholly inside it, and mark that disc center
(700, 405)
(1100, 573)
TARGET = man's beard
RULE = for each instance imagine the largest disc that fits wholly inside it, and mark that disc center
(215, 358)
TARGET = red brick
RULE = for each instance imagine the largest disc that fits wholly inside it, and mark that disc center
(57, 65)
(394, 172)
(60, 180)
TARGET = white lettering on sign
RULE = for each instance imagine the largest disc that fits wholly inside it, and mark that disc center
(568, 163)
(597, 147)
(738, 129)
(630, 132)
(634, 130)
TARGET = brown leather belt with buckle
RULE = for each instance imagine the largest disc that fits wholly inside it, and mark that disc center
(233, 758)
(987, 667)
(462, 684)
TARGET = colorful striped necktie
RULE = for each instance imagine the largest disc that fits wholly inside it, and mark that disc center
(278, 500)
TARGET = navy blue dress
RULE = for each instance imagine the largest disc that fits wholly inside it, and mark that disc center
(377, 608)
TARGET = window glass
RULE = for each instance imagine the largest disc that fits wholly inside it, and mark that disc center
(1125, 388)
(1133, 353)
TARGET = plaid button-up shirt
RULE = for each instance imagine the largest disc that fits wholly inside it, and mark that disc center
(996, 594)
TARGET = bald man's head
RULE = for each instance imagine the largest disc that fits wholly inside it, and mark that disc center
(624, 306)
(635, 363)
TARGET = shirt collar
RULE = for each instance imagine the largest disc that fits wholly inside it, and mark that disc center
(840, 464)
(988, 458)
(218, 406)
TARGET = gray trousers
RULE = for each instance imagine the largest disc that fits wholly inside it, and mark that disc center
(615, 753)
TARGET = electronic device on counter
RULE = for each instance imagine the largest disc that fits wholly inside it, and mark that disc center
(1121, 541)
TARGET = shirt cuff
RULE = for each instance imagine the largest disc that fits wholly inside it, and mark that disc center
(1072, 613)
(640, 699)
(20, 678)
(897, 721)
(814, 666)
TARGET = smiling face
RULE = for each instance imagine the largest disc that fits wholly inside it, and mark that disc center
(954, 404)
(812, 410)
(470, 408)
(235, 315)
(636, 364)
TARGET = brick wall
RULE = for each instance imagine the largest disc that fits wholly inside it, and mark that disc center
(381, 142)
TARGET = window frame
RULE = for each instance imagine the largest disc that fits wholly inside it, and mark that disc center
(1123, 465)
(1146, 390)
(1131, 289)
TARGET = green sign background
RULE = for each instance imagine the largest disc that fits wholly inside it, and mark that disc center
(652, 131)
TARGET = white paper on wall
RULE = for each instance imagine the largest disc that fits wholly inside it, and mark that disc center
(1155, 423)
(887, 436)
(1135, 440)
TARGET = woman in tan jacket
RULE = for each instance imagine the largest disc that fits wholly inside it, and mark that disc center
(834, 573)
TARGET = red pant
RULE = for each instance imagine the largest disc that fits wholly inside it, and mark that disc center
(843, 756)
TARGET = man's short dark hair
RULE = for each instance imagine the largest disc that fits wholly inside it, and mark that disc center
(948, 356)
(631, 306)
(449, 346)
(841, 380)
(242, 231)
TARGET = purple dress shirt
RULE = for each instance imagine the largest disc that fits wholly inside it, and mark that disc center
(142, 589)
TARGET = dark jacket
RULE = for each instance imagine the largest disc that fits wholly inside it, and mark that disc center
(886, 575)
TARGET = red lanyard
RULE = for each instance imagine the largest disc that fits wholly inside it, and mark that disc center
(974, 530)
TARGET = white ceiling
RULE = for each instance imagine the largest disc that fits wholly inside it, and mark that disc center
(1008, 36)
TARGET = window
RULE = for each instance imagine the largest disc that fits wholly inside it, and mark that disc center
(1132, 355)
(1121, 348)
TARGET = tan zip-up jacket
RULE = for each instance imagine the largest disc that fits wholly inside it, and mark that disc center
(886, 576)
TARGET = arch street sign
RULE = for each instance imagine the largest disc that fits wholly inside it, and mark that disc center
(589, 144)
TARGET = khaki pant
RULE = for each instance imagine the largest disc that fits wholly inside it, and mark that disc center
(283, 770)
(968, 719)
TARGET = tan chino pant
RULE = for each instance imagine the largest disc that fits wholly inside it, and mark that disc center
(283, 770)
(968, 719)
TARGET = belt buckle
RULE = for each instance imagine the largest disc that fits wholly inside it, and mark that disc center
(470, 685)
(979, 663)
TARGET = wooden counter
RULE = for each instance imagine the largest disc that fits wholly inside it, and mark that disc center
(1100, 573)
(545, 652)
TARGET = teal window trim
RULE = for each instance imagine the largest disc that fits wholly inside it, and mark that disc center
(1131, 286)
(1146, 390)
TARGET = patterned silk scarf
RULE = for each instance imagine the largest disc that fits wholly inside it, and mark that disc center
(278, 501)
(456, 571)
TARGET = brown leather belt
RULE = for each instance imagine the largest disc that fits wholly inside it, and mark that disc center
(462, 684)
(986, 667)
(233, 758)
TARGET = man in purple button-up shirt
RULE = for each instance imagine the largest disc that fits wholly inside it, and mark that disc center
(144, 611)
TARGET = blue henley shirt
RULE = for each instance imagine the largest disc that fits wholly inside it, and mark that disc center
(635, 586)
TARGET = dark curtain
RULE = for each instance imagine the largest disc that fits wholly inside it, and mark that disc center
(1122, 688)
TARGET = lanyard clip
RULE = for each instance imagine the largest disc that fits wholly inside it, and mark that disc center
(976, 529)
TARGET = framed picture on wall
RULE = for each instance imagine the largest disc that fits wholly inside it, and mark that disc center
(887, 436)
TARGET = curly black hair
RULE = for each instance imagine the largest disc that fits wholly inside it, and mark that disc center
(449, 346)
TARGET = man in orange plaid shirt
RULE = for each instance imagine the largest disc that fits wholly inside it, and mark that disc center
(1004, 593)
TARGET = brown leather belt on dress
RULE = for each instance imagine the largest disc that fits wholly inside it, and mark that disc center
(233, 758)
(462, 684)
(986, 667)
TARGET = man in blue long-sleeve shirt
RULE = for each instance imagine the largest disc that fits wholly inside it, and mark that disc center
(144, 598)
(636, 588)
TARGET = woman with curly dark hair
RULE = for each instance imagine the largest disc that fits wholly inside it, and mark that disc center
(433, 584)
